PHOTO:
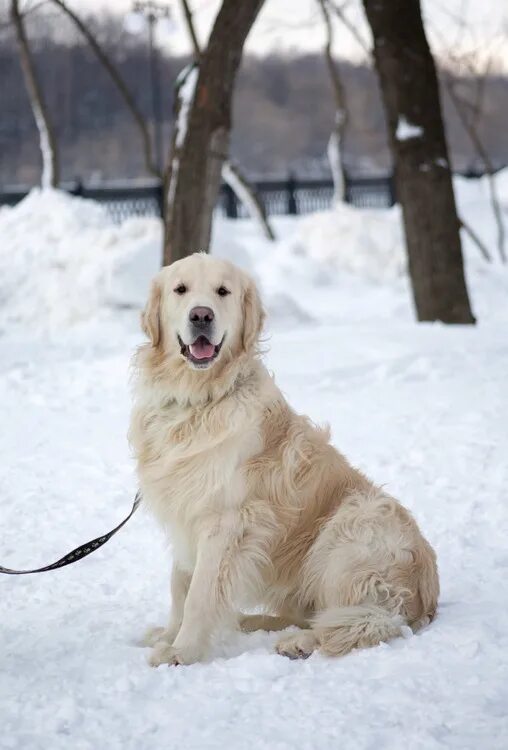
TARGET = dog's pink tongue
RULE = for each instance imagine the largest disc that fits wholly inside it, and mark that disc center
(202, 349)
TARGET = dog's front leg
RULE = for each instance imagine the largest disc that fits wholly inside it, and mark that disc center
(209, 600)
(180, 582)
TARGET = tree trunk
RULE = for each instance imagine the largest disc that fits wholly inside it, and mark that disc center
(231, 173)
(50, 167)
(423, 179)
(336, 143)
(202, 142)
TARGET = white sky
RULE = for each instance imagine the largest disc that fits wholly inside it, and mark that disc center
(296, 25)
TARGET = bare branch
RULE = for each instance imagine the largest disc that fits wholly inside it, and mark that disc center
(120, 84)
(339, 12)
(242, 188)
(460, 107)
(477, 241)
(191, 29)
(469, 114)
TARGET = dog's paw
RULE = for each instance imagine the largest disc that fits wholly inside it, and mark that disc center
(297, 645)
(164, 653)
(154, 635)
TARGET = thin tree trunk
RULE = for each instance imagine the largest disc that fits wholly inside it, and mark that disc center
(191, 29)
(120, 84)
(50, 167)
(424, 186)
(337, 137)
(231, 173)
(202, 140)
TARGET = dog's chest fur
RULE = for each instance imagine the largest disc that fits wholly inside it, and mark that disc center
(190, 463)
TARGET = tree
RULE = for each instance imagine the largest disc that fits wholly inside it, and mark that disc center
(50, 167)
(231, 173)
(470, 112)
(201, 139)
(410, 94)
(336, 142)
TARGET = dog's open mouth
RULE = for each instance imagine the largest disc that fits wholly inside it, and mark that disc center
(201, 352)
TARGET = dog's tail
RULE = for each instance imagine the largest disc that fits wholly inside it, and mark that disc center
(342, 629)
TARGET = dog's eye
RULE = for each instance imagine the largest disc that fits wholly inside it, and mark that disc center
(222, 291)
(180, 289)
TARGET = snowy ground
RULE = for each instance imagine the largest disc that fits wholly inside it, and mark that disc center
(421, 408)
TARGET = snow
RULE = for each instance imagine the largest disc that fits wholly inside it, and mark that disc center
(406, 130)
(420, 408)
(62, 259)
(334, 153)
(186, 93)
(186, 90)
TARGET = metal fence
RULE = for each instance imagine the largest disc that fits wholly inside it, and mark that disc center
(290, 196)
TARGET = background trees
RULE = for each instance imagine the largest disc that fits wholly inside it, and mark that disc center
(199, 117)
(422, 166)
(283, 107)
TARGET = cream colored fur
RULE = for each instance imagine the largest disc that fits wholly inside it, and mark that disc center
(261, 510)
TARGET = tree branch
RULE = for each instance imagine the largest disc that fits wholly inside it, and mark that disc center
(475, 238)
(120, 84)
(339, 12)
(191, 29)
(460, 107)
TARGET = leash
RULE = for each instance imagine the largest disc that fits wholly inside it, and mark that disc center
(80, 552)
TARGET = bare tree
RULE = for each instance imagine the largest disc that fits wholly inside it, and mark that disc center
(469, 113)
(337, 137)
(423, 178)
(50, 167)
(340, 12)
(118, 81)
(231, 173)
(201, 141)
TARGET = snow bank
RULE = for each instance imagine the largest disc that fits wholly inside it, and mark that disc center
(62, 260)
(367, 242)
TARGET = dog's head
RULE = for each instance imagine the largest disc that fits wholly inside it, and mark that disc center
(203, 310)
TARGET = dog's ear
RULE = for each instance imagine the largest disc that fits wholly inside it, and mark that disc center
(253, 316)
(150, 317)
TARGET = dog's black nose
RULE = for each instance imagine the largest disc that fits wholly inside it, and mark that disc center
(201, 316)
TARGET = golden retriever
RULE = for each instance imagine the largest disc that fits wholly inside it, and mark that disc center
(261, 510)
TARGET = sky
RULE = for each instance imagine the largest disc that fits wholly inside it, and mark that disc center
(296, 26)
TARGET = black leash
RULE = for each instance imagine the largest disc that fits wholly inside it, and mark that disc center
(80, 552)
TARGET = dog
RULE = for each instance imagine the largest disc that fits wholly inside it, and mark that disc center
(262, 511)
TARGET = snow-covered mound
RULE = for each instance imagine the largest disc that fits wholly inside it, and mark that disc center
(367, 242)
(62, 260)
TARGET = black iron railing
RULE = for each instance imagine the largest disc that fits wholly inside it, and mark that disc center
(290, 196)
